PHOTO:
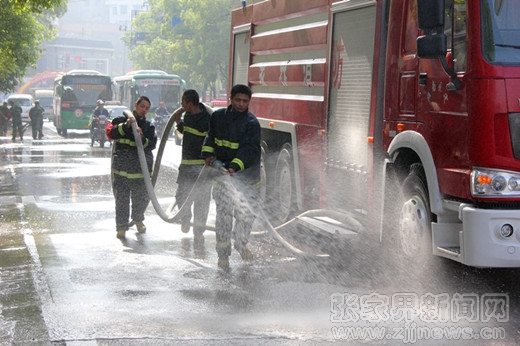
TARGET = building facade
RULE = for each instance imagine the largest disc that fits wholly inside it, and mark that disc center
(89, 37)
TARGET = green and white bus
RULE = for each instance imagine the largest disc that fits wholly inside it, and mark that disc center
(156, 85)
(75, 98)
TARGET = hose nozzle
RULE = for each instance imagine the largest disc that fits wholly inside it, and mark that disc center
(219, 165)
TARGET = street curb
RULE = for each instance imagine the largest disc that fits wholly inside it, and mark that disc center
(20, 273)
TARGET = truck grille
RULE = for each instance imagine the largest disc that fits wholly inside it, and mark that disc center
(498, 205)
(514, 131)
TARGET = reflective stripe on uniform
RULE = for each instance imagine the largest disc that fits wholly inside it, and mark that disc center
(131, 143)
(227, 144)
(194, 131)
(192, 162)
(128, 175)
(126, 141)
(120, 129)
(238, 162)
(223, 245)
(208, 149)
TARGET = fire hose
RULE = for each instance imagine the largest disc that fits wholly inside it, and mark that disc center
(206, 174)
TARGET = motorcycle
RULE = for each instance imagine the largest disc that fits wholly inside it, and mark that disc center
(97, 130)
(159, 124)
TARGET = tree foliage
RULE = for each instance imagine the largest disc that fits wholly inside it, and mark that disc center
(23, 26)
(34, 6)
(185, 37)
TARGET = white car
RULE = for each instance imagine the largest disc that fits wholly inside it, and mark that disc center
(25, 101)
(115, 110)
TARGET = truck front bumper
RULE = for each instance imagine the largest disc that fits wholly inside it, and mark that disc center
(477, 240)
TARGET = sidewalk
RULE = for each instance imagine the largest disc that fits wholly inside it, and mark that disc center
(21, 320)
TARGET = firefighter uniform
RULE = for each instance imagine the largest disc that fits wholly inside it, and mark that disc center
(194, 128)
(4, 119)
(16, 117)
(234, 139)
(36, 115)
(128, 180)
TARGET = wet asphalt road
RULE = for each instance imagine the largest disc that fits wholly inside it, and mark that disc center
(65, 279)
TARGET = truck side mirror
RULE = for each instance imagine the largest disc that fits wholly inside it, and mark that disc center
(430, 18)
(431, 46)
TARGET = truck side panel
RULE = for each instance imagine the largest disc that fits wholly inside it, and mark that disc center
(288, 69)
(348, 116)
(287, 72)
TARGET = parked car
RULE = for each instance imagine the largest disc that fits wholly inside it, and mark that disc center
(115, 109)
(25, 101)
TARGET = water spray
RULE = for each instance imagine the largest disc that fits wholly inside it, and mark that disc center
(217, 173)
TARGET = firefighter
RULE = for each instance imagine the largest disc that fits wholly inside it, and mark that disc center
(128, 180)
(36, 115)
(194, 126)
(4, 119)
(233, 141)
(16, 117)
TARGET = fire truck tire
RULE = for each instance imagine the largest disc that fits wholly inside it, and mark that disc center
(414, 223)
(285, 189)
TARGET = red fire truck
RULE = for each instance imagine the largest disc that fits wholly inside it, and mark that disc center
(372, 106)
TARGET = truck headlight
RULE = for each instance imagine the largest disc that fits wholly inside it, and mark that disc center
(494, 183)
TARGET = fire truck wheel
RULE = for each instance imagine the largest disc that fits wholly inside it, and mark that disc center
(414, 225)
(284, 186)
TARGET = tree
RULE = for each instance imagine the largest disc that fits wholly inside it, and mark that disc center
(185, 37)
(33, 6)
(23, 26)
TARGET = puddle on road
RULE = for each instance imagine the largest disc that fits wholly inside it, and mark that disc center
(133, 293)
(233, 299)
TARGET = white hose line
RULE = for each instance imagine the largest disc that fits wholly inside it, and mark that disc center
(160, 150)
(166, 216)
(148, 181)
